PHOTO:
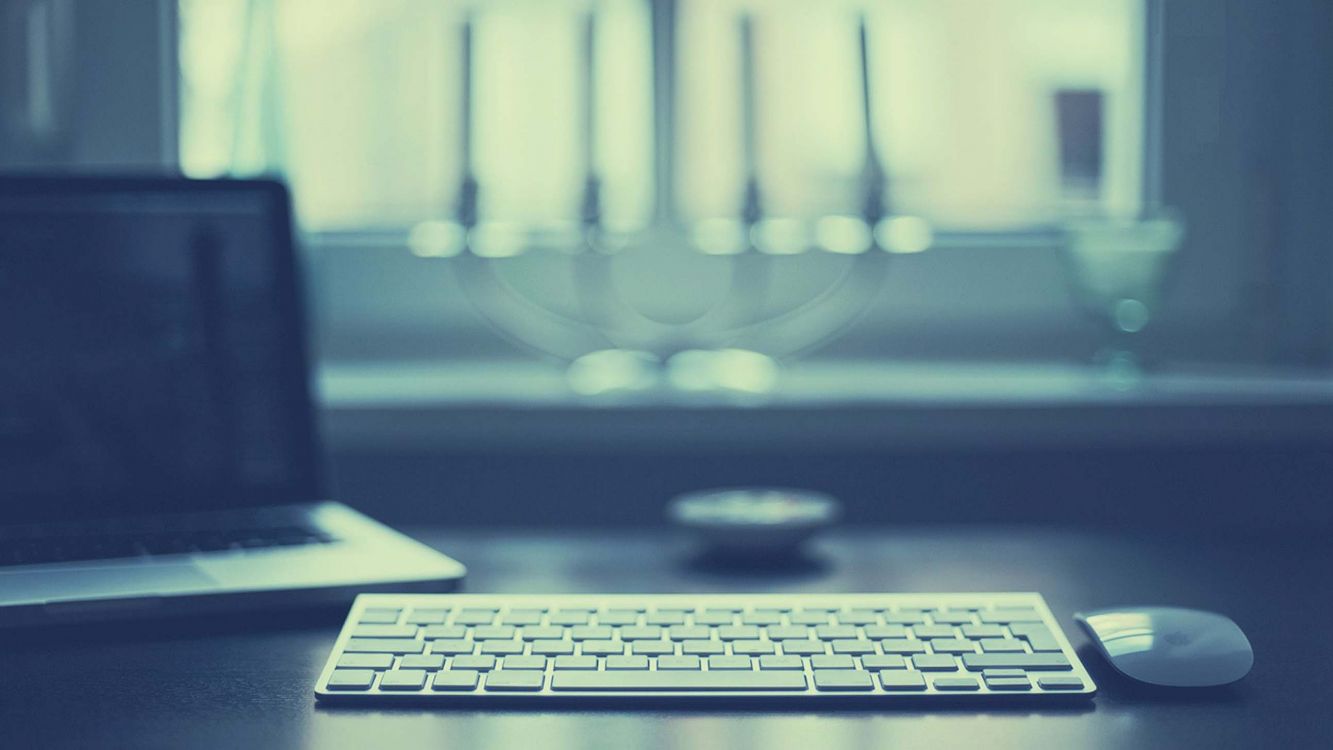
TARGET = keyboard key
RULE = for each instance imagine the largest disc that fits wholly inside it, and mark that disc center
(787, 632)
(885, 661)
(902, 646)
(843, 679)
(857, 617)
(541, 632)
(493, 633)
(935, 662)
(902, 680)
(982, 631)
(384, 631)
(952, 646)
(752, 648)
(905, 617)
(602, 648)
(677, 680)
(729, 662)
(853, 647)
(523, 662)
(1036, 634)
(951, 617)
(703, 648)
(1060, 683)
(618, 617)
(641, 633)
(516, 681)
(879, 632)
(1045, 661)
(475, 617)
(522, 617)
(665, 617)
(591, 633)
(626, 662)
(422, 661)
(403, 679)
(451, 647)
(835, 632)
(955, 683)
(552, 648)
(679, 662)
(653, 648)
(738, 632)
(761, 618)
(1001, 645)
(365, 661)
(455, 680)
(688, 632)
(832, 662)
(427, 616)
(989, 673)
(809, 617)
(478, 663)
(715, 617)
(933, 631)
(773, 662)
(1008, 683)
(1006, 616)
(378, 615)
(569, 617)
(804, 648)
(434, 632)
(384, 646)
(502, 647)
(351, 679)
(576, 662)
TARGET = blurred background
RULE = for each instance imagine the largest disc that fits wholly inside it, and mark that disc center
(949, 260)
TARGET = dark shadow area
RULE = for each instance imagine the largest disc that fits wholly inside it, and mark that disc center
(1152, 488)
(796, 564)
(165, 629)
(1115, 687)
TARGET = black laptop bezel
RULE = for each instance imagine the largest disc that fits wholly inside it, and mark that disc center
(306, 481)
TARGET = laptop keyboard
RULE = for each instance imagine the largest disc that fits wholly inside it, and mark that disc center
(79, 547)
(467, 648)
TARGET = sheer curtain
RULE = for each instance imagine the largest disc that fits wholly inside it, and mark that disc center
(357, 102)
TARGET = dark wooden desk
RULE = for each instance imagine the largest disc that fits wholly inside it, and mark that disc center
(246, 683)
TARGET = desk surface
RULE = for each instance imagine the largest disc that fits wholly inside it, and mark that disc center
(226, 683)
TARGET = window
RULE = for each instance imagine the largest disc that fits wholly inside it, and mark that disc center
(999, 124)
(987, 114)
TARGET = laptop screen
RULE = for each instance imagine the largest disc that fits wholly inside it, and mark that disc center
(153, 353)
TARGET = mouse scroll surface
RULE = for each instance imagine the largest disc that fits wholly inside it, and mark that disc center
(1171, 646)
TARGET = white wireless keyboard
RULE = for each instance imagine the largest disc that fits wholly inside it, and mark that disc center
(819, 649)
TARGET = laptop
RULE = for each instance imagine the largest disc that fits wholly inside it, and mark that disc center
(158, 448)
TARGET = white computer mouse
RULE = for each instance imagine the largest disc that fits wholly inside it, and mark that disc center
(1170, 646)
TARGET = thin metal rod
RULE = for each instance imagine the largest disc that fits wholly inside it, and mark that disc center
(664, 110)
(591, 208)
(752, 208)
(1154, 72)
(466, 210)
(465, 93)
(874, 181)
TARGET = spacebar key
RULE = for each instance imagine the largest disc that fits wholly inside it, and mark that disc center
(629, 681)
(1053, 661)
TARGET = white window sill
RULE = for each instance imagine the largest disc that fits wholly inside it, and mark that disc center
(818, 405)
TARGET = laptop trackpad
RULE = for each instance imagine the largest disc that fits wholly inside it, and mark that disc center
(103, 581)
